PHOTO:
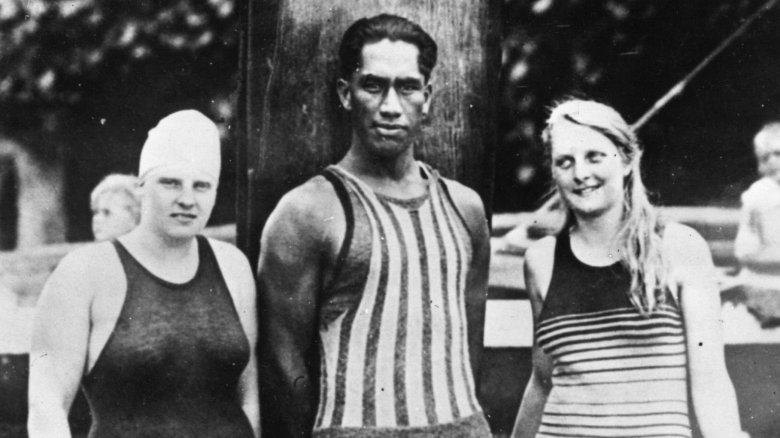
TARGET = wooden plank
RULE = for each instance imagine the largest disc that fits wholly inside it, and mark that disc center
(292, 126)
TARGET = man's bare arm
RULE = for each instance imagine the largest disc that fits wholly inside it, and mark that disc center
(471, 208)
(290, 268)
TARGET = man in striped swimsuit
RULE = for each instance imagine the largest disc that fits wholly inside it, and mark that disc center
(373, 275)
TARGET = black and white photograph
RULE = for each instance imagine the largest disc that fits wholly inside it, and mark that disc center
(387, 218)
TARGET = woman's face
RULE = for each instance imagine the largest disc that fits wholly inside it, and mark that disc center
(588, 170)
(177, 201)
(112, 216)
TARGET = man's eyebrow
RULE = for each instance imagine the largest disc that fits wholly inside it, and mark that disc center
(373, 77)
(410, 79)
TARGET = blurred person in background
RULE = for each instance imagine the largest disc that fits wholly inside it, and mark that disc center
(757, 246)
(158, 325)
(625, 308)
(115, 206)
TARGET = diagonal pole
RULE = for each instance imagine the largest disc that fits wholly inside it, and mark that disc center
(679, 87)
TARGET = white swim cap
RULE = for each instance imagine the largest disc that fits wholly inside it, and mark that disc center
(183, 138)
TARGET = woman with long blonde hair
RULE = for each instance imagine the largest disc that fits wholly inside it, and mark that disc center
(626, 314)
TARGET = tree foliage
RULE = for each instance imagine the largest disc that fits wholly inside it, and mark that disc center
(625, 52)
(57, 52)
(70, 68)
(82, 81)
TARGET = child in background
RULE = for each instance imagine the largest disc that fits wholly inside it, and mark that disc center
(757, 246)
(115, 206)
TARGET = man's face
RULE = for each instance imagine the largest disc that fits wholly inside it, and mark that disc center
(388, 97)
(177, 201)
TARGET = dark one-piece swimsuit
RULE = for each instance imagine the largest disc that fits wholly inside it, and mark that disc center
(171, 366)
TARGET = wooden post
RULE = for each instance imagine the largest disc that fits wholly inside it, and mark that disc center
(290, 123)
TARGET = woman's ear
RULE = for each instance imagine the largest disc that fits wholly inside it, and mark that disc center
(627, 169)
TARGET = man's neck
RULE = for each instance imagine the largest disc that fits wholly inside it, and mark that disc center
(398, 176)
(395, 168)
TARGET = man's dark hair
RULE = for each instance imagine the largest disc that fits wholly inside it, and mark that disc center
(385, 26)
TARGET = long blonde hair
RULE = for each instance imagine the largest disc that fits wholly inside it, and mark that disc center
(640, 236)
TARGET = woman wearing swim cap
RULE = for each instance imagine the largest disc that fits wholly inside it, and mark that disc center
(158, 326)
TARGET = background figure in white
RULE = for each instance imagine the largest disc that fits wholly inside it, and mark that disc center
(757, 246)
(115, 206)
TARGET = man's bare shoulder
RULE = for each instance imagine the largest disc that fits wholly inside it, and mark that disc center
(308, 216)
(463, 196)
(467, 201)
(312, 201)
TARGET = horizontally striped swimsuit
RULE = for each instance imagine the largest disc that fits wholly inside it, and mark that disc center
(394, 350)
(616, 373)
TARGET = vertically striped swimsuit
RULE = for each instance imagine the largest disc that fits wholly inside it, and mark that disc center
(394, 350)
(616, 373)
